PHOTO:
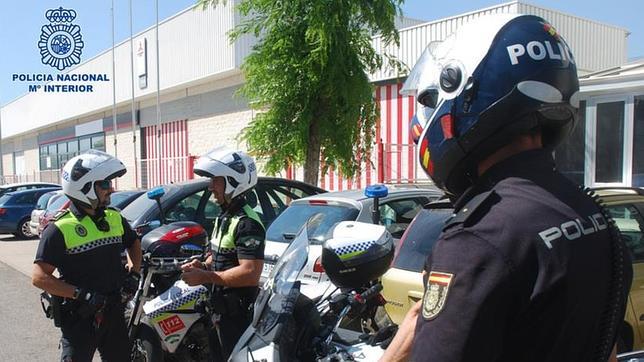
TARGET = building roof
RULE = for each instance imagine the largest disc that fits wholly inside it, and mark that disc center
(623, 78)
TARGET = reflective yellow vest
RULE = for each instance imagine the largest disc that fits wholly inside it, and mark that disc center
(81, 236)
(223, 244)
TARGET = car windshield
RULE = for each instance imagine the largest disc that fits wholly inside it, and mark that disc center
(420, 238)
(43, 200)
(4, 199)
(57, 204)
(118, 198)
(142, 204)
(284, 228)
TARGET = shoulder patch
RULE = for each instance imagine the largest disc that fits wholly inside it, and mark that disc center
(60, 214)
(468, 209)
(436, 293)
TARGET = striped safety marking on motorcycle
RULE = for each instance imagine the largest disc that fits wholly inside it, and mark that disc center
(180, 303)
(347, 252)
(95, 244)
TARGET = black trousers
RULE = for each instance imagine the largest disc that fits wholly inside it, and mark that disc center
(228, 330)
(81, 338)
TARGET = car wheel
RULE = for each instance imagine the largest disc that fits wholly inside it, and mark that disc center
(24, 231)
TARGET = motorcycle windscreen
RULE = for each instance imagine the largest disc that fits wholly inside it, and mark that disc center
(282, 279)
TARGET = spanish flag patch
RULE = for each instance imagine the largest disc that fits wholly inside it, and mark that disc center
(435, 293)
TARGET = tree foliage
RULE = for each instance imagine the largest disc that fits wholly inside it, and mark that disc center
(308, 78)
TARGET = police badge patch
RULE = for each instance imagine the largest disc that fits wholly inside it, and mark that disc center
(435, 293)
(80, 230)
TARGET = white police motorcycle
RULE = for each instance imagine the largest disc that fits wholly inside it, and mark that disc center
(289, 326)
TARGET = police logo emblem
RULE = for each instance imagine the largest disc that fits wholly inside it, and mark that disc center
(435, 293)
(81, 231)
(61, 42)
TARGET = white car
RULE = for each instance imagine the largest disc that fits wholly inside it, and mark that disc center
(397, 210)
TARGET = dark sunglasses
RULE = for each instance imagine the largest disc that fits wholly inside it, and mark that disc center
(104, 184)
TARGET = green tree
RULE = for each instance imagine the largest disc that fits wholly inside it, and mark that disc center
(308, 77)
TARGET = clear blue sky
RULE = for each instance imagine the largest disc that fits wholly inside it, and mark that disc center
(20, 23)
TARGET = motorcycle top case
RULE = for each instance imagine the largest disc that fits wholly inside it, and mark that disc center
(161, 312)
(166, 240)
(357, 253)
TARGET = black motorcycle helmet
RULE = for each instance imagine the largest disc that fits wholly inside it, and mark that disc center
(495, 78)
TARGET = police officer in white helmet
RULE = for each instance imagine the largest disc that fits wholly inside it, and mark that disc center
(84, 243)
(237, 246)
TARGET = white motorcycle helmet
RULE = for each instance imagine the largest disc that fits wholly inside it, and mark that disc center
(81, 172)
(236, 167)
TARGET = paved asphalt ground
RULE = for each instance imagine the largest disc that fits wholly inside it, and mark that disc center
(25, 333)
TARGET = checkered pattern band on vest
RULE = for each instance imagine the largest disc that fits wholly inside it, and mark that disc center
(190, 297)
(226, 250)
(354, 248)
(95, 244)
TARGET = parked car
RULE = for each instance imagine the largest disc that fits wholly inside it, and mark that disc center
(120, 199)
(397, 210)
(60, 203)
(26, 186)
(15, 211)
(41, 205)
(191, 201)
(403, 284)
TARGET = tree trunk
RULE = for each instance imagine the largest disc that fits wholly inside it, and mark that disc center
(312, 163)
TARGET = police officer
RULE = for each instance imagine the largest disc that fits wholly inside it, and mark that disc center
(84, 244)
(237, 246)
(529, 268)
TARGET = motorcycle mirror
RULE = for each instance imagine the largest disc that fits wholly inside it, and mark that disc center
(375, 192)
(156, 193)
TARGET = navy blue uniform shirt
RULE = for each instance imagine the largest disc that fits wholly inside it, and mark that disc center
(522, 271)
(100, 269)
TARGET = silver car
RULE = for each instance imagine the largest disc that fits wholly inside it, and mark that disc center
(397, 210)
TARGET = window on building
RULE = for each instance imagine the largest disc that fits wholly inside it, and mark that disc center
(638, 141)
(609, 142)
(55, 155)
(569, 155)
(44, 152)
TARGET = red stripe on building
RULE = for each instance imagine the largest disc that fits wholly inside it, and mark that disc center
(399, 100)
(388, 122)
(410, 147)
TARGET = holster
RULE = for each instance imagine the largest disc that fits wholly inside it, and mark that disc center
(51, 306)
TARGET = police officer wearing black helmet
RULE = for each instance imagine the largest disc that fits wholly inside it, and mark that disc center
(530, 266)
(237, 247)
(85, 244)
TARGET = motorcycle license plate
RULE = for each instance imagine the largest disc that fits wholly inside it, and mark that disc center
(268, 267)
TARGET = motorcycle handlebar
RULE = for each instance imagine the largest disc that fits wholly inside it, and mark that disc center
(368, 294)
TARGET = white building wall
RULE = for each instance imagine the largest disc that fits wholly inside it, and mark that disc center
(206, 133)
(126, 155)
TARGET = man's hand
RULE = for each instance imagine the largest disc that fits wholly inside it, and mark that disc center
(195, 264)
(195, 275)
(400, 347)
(131, 283)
